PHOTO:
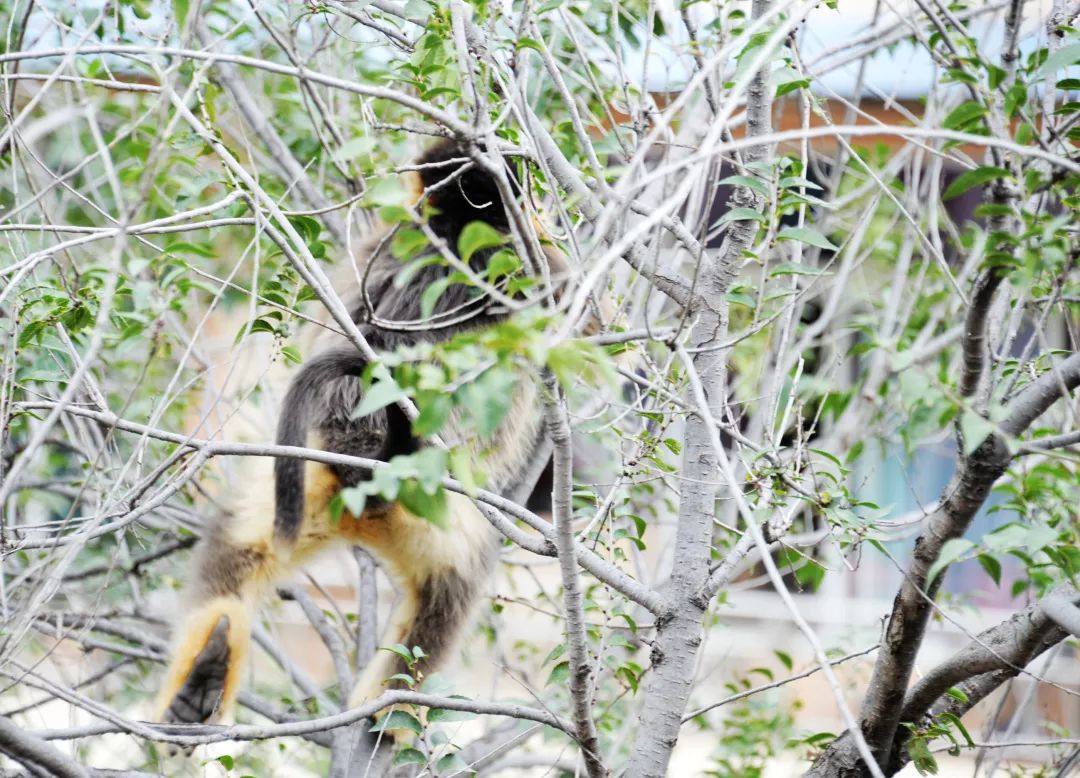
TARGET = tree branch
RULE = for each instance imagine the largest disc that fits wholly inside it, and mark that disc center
(581, 676)
(590, 560)
(961, 499)
(35, 754)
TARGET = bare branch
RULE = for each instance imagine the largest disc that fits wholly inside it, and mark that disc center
(581, 673)
(35, 753)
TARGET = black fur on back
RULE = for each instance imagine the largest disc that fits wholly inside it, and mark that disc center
(326, 391)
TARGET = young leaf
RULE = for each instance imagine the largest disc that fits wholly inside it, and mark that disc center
(432, 507)
(452, 764)
(1063, 57)
(398, 719)
(807, 235)
(748, 181)
(950, 552)
(992, 567)
(407, 756)
(477, 236)
(741, 215)
(963, 115)
(975, 430)
(559, 674)
(795, 269)
(379, 396)
(436, 715)
(973, 178)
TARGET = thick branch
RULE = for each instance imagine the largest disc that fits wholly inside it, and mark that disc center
(678, 632)
(974, 344)
(965, 494)
(35, 754)
(1007, 645)
(1062, 608)
(991, 658)
(1037, 397)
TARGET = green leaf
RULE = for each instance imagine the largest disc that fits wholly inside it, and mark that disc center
(992, 567)
(180, 9)
(958, 725)
(972, 178)
(810, 575)
(488, 398)
(957, 694)
(408, 756)
(796, 269)
(442, 714)
(428, 466)
(784, 658)
(402, 651)
(386, 192)
(461, 464)
(430, 296)
(502, 263)
(1014, 99)
(963, 115)
(951, 551)
(798, 182)
(559, 674)
(398, 719)
(478, 236)
(433, 507)
(1063, 57)
(453, 764)
(354, 498)
(807, 235)
(226, 761)
(408, 243)
(291, 354)
(741, 215)
(921, 757)
(555, 653)
(361, 145)
(378, 396)
(308, 228)
(741, 298)
(975, 430)
(434, 411)
(748, 181)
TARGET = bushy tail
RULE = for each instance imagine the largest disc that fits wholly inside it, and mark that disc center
(306, 391)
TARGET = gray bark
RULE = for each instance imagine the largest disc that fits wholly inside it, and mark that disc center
(35, 754)
(883, 706)
(679, 629)
(577, 649)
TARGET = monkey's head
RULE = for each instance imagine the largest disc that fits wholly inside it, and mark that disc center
(460, 191)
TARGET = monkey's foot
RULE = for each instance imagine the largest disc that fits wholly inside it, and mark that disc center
(199, 699)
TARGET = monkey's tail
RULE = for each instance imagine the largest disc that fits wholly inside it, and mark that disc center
(313, 383)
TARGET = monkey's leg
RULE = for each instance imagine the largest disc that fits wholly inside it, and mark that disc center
(235, 563)
(201, 682)
(238, 560)
(440, 574)
(212, 639)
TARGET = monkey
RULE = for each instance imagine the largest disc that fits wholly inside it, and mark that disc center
(266, 533)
